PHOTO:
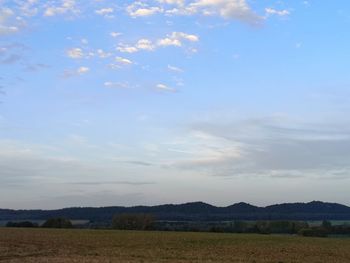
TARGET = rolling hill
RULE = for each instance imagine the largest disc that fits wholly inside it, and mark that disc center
(196, 211)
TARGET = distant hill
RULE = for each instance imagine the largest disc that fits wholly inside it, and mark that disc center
(196, 211)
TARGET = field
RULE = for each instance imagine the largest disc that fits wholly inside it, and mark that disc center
(43, 245)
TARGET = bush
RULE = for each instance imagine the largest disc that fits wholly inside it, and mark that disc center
(313, 232)
(280, 227)
(326, 224)
(21, 224)
(133, 221)
(58, 223)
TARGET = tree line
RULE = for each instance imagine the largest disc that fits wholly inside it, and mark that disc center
(142, 221)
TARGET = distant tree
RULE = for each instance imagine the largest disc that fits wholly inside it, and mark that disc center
(326, 224)
(21, 224)
(313, 232)
(263, 227)
(133, 221)
(240, 226)
(57, 223)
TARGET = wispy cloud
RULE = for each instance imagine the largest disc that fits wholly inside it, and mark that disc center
(227, 9)
(269, 147)
(173, 39)
(272, 11)
(95, 183)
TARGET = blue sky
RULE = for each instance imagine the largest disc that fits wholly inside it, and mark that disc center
(167, 101)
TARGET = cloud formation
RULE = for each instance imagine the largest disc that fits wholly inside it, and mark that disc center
(7, 21)
(272, 11)
(269, 147)
(60, 8)
(175, 39)
(227, 9)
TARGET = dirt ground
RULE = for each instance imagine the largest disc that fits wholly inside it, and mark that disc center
(44, 245)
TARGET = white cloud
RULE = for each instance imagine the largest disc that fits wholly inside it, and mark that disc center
(172, 2)
(84, 41)
(169, 42)
(83, 70)
(110, 84)
(29, 8)
(102, 54)
(115, 34)
(77, 72)
(175, 39)
(5, 27)
(183, 11)
(104, 11)
(75, 53)
(163, 87)
(229, 9)
(139, 9)
(126, 49)
(175, 69)
(275, 147)
(144, 44)
(181, 35)
(271, 11)
(123, 61)
(66, 6)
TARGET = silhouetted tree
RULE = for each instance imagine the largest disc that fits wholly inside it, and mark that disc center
(21, 224)
(58, 223)
(133, 221)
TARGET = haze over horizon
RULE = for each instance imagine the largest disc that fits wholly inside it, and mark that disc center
(120, 103)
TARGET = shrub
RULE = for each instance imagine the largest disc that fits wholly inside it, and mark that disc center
(313, 232)
(58, 223)
(133, 221)
(21, 224)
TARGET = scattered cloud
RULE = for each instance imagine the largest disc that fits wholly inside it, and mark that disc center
(174, 39)
(84, 41)
(271, 11)
(172, 2)
(36, 67)
(83, 70)
(75, 53)
(103, 54)
(227, 9)
(163, 87)
(72, 73)
(104, 11)
(123, 61)
(270, 147)
(141, 9)
(142, 44)
(118, 85)
(115, 34)
(61, 7)
(7, 23)
(175, 69)
(11, 59)
(127, 49)
(94, 183)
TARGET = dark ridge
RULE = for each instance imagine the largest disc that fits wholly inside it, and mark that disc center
(242, 207)
(195, 211)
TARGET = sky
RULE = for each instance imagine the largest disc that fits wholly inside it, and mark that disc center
(107, 102)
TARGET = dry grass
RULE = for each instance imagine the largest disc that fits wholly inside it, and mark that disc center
(42, 245)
